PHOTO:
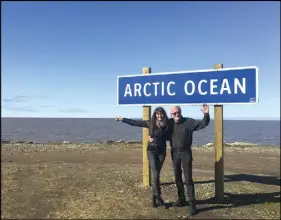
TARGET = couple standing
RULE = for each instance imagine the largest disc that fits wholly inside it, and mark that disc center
(179, 131)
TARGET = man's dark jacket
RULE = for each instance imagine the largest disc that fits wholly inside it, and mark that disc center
(181, 134)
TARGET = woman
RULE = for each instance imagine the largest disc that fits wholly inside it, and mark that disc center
(156, 150)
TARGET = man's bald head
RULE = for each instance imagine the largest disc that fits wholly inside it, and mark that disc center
(176, 113)
(175, 108)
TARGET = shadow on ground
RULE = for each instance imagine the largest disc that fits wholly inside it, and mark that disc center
(268, 180)
(237, 200)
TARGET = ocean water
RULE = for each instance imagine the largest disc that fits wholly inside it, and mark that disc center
(94, 130)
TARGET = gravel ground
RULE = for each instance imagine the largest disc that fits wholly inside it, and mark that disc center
(104, 181)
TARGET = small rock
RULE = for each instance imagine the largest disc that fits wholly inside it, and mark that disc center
(120, 141)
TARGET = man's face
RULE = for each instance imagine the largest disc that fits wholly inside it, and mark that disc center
(176, 114)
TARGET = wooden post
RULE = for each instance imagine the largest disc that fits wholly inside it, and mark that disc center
(146, 116)
(219, 157)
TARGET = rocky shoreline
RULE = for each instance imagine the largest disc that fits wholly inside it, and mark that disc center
(109, 142)
(69, 142)
(67, 145)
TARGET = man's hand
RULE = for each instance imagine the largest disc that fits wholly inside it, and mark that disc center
(118, 118)
(150, 139)
(205, 108)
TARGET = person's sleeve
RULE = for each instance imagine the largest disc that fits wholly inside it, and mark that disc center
(137, 123)
(201, 124)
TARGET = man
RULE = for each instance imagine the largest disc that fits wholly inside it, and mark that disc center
(181, 140)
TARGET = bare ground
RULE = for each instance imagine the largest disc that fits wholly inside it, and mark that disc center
(105, 181)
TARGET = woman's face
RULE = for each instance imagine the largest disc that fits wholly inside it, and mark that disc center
(159, 116)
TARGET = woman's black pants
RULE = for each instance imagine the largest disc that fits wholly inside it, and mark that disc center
(156, 160)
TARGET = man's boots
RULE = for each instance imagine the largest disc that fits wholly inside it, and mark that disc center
(181, 200)
(191, 209)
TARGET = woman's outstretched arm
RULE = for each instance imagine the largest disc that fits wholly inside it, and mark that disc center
(137, 123)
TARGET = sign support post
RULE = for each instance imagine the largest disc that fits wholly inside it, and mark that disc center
(146, 112)
(219, 154)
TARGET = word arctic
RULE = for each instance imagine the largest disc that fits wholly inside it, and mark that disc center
(212, 87)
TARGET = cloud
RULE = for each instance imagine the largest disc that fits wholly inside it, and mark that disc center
(16, 99)
(22, 98)
(47, 106)
(20, 103)
(73, 110)
(43, 97)
(21, 109)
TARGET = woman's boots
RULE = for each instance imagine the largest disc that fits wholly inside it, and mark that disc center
(157, 201)
(154, 202)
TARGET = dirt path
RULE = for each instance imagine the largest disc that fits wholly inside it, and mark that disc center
(105, 182)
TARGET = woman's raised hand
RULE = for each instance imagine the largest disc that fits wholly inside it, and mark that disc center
(118, 118)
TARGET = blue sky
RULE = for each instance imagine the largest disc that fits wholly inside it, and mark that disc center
(62, 59)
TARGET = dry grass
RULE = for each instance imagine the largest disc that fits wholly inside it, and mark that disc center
(104, 182)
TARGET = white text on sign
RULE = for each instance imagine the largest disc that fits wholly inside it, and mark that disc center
(190, 87)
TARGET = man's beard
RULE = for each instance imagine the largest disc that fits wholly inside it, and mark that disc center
(177, 118)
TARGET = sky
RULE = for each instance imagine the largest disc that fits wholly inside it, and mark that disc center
(62, 59)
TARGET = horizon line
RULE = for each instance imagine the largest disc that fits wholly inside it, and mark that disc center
(246, 119)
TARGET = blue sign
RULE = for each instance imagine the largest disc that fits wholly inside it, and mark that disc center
(215, 86)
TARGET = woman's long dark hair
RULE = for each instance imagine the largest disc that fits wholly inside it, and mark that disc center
(154, 119)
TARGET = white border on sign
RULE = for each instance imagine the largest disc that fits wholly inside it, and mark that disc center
(194, 71)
